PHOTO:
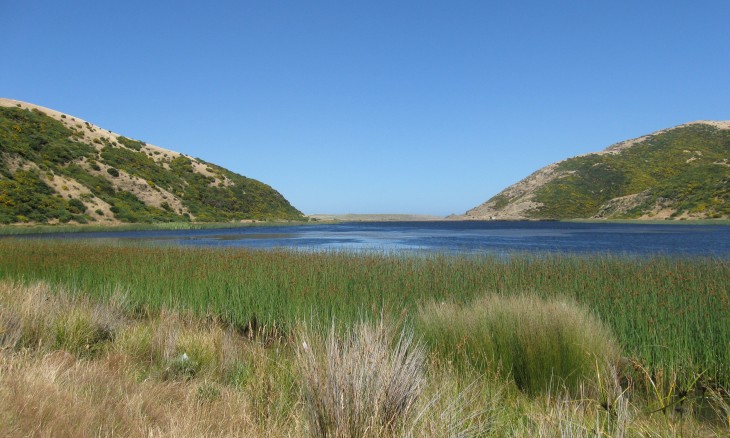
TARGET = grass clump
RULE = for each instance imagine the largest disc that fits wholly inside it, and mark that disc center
(362, 384)
(539, 342)
(79, 331)
(36, 317)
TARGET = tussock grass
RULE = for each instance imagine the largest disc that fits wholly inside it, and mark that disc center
(538, 342)
(34, 316)
(362, 384)
(460, 405)
(601, 408)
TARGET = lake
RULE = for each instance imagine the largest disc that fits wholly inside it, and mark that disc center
(462, 237)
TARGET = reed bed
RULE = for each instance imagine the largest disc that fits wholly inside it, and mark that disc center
(667, 313)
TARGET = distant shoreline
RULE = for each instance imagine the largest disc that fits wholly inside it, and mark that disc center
(352, 217)
(10, 230)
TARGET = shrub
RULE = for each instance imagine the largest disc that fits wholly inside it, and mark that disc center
(539, 342)
(76, 206)
(364, 383)
(113, 172)
(131, 144)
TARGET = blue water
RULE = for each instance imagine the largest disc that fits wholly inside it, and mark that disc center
(454, 237)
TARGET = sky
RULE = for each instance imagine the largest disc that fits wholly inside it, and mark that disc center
(418, 107)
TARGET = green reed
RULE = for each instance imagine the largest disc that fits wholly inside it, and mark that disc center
(666, 312)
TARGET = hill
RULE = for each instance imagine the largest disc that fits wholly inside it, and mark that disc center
(58, 168)
(677, 173)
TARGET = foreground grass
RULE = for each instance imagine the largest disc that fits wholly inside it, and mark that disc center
(535, 341)
(74, 366)
(667, 314)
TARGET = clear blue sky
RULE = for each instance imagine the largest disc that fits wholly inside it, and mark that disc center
(373, 106)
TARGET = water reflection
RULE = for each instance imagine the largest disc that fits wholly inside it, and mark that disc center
(452, 237)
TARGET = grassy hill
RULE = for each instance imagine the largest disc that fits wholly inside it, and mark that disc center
(57, 168)
(682, 172)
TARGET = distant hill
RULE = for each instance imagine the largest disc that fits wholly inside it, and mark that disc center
(677, 173)
(58, 168)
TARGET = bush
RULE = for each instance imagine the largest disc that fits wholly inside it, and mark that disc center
(539, 342)
(131, 144)
(113, 172)
(76, 206)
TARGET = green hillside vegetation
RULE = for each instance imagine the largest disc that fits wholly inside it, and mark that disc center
(36, 148)
(685, 169)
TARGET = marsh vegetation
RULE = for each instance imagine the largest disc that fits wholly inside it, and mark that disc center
(137, 341)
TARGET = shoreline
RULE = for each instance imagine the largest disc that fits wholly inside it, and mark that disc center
(315, 219)
(375, 217)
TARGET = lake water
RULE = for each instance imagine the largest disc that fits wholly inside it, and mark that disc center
(467, 237)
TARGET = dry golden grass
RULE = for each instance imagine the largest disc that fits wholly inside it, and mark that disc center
(58, 379)
(362, 384)
(56, 395)
(71, 367)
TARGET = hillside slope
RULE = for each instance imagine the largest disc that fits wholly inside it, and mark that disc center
(681, 172)
(58, 168)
